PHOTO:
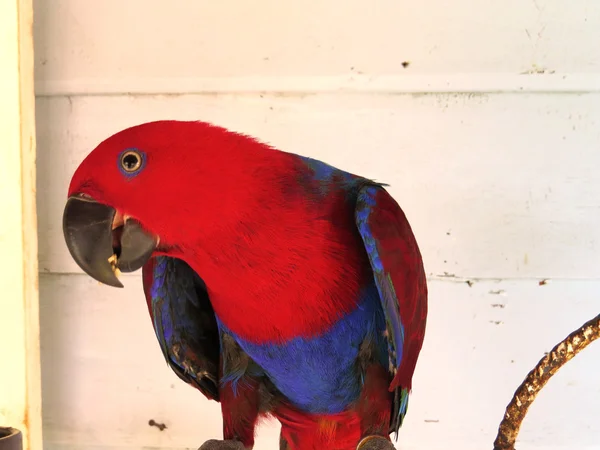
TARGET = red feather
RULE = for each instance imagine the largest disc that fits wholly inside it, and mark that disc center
(260, 210)
(402, 260)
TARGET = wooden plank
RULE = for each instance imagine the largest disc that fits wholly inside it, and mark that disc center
(495, 186)
(190, 45)
(20, 385)
(105, 378)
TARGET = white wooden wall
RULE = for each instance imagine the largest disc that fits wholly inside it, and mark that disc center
(483, 115)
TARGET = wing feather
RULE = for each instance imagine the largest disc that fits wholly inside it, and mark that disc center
(400, 277)
(184, 322)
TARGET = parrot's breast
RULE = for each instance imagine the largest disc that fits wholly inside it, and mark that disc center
(320, 374)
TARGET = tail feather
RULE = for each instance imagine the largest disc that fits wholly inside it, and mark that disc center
(400, 408)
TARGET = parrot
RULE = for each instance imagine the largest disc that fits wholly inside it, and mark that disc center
(277, 285)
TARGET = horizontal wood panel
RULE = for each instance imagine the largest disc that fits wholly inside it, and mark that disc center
(104, 377)
(343, 84)
(495, 186)
(120, 45)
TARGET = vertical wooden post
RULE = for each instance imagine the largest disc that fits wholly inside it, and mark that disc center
(20, 386)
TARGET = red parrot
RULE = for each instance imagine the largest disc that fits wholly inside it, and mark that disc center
(276, 284)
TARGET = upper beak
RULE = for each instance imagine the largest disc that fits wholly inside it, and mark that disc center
(88, 230)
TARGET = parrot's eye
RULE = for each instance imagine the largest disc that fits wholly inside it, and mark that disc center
(131, 161)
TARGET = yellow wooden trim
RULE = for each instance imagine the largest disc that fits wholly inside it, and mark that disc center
(20, 386)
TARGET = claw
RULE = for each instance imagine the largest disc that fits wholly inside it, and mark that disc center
(215, 444)
(375, 443)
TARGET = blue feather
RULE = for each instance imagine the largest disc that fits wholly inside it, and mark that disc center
(184, 323)
(319, 375)
(365, 204)
(325, 176)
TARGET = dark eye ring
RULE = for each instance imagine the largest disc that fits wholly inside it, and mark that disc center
(131, 161)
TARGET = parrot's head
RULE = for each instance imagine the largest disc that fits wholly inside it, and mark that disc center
(158, 188)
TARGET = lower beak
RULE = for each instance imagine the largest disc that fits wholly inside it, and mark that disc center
(90, 238)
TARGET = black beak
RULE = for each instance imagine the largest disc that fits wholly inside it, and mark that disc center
(89, 234)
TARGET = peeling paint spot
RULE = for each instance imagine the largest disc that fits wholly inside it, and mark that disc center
(537, 70)
(447, 275)
(160, 426)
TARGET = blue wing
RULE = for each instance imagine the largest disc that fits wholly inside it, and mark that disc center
(184, 322)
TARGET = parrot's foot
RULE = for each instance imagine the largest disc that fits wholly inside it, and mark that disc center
(375, 443)
(214, 444)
